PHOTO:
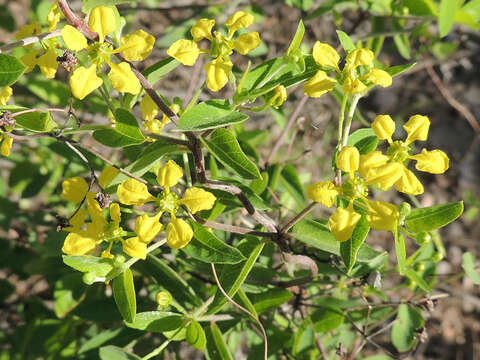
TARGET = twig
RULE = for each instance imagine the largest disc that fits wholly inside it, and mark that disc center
(241, 308)
(281, 138)
(30, 40)
(457, 105)
(297, 218)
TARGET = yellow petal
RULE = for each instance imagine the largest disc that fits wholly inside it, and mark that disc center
(74, 189)
(155, 126)
(408, 183)
(78, 243)
(48, 63)
(433, 162)
(348, 159)
(277, 97)
(30, 60)
(358, 57)
(136, 46)
(319, 85)
(371, 160)
(147, 228)
(384, 127)
(325, 55)
(179, 233)
(6, 145)
(77, 220)
(133, 192)
(84, 81)
(107, 175)
(115, 213)
(197, 199)
(53, 16)
(169, 174)
(385, 175)
(123, 79)
(73, 38)
(5, 94)
(29, 30)
(202, 29)
(239, 20)
(323, 192)
(379, 77)
(102, 21)
(94, 208)
(148, 108)
(217, 73)
(135, 248)
(354, 86)
(382, 215)
(95, 229)
(417, 128)
(343, 222)
(185, 51)
(247, 42)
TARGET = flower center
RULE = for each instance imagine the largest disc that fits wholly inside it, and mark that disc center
(354, 188)
(168, 202)
(221, 46)
(112, 232)
(99, 52)
(398, 151)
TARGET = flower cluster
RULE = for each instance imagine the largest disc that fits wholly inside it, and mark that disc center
(133, 47)
(221, 47)
(357, 76)
(179, 233)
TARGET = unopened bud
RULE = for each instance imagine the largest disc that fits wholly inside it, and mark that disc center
(277, 97)
(118, 260)
(404, 209)
(164, 299)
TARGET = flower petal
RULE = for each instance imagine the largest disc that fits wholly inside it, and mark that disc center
(379, 77)
(78, 243)
(74, 189)
(53, 16)
(323, 192)
(202, 29)
(147, 228)
(123, 79)
(217, 73)
(115, 213)
(107, 175)
(371, 160)
(343, 222)
(48, 63)
(102, 21)
(348, 159)
(185, 51)
(247, 42)
(417, 128)
(83, 81)
(135, 248)
(169, 174)
(319, 84)
(239, 20)
(382, 215)
(383, 126)
(408, 183)
(5, 94)
(6, 145)
(133, 192)
(433, 162)
(358, 57)
(197, 199)
(73, 38)
(30, 59)
(385, 175)
(179, 233)
(354, 86)
(148, 108)
(325, 55)
(136, 46)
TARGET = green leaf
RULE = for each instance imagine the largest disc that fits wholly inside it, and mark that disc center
(196, 336)
(468, 265)
(217, 349)
(297, 39)
(156, 321)
(402, 43)
(420, 7)
(291, 182)
(36, 121)
(88, 5)
(398, 69)
(417, 280)
(326, 319)
(349, 249)
(233, 276)
(473, 8)
(115, 353)
(68, 294)
(87, 263)
(270, 298)
(346, 42)
(446, 17)
(400, 251)
(161, 68)
(364, 140)
(7, 22)
(434, 217)
(53, 92)
(126, 131)
(303, 5)
(10, 70)
(226, 149)
(124, 295)
(211, 114)
(208, 248)
(317, 234)
(403, 330)
(100, 339)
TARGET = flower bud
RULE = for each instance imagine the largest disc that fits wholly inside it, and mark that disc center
(417, 128)
(118, 260)
(163, 299)
(277, 97)
(179, 233)
(348, 159)
(383, 126)
(404, 209)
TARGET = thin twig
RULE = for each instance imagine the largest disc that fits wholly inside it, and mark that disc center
(297, 218)
(29, 40)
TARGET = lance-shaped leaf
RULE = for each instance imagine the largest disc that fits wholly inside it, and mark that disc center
(125, 132)
(156, 321)
(349, 249)
(10, 70)
(434, 217)
(124, 295)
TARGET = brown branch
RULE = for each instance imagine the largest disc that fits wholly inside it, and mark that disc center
(29, 40)
(297, 218)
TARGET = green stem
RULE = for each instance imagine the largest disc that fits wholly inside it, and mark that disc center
(341, 118)
(351, 111)
(158, 350)
(149, 249)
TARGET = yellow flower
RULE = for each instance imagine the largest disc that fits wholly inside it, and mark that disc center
(148, 108)
(247, 42)
(133, 192)
(102, 21)
(74, 189)
(29, 30)
(239, 20)
(185, 51)
(135, 248)
(391, 169)
(358, 57)
(6, 146)
(73, 38)
(48, 63)
(179, 233)
(325, 55)
(107, 175)
(343, 222)
(169, 175)
(196, 199)
(372, 159)
(136, 46)
(147, 228)
(354, 86)
(79, 243)
(83, 81)
(217, 73)
(53, 16)
(379, 77)
(277, 97)
(202, 29)
(5, 94)
(123, 79)
(319, 84)
(323, 192)
(382, 215)
(348, 160)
